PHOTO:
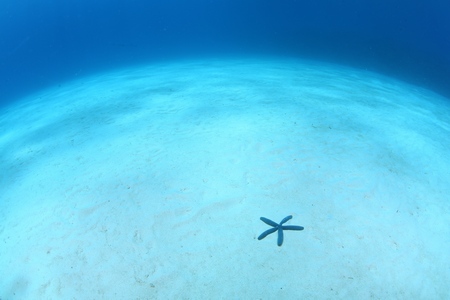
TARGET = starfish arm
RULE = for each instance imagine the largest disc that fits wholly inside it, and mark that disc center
(285, 220)
(269, 222)
(280, 236)
(292, 227)
(267, 232)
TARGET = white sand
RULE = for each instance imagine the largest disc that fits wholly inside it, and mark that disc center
(148, 183)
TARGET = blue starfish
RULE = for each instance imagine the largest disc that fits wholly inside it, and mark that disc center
(278, 227)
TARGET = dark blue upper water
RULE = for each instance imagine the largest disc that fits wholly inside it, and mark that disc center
(44, 43)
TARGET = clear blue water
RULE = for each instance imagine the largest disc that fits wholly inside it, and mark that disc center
(149, 137)
(44, 43)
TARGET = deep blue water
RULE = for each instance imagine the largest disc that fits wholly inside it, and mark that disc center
(43, 43)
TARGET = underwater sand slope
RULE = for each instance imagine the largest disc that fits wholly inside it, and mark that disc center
(148, 183)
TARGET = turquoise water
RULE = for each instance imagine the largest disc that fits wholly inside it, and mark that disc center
(45, 43)
(142, 141)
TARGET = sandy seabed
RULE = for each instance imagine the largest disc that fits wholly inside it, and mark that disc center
(149, 182)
